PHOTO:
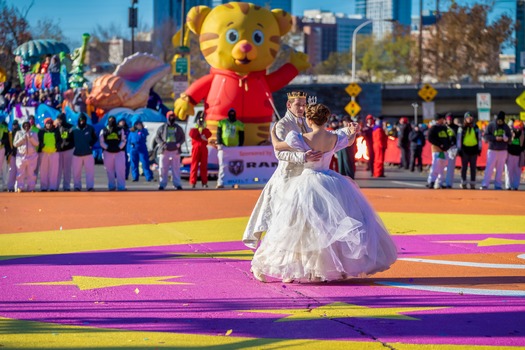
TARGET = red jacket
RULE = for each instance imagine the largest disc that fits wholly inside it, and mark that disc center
(196, 139)
(249, 95)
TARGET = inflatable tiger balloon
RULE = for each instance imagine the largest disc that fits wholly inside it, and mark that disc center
(240, 41)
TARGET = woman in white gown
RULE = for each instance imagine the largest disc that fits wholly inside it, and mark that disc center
(323, 228)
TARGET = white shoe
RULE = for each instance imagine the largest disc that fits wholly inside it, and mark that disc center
(258, 275)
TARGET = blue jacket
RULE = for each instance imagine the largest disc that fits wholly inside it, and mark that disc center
(137, 140)
(84, 139)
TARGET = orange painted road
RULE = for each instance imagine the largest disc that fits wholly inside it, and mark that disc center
(167, 270)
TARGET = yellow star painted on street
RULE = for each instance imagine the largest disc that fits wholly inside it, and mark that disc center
(490, 242)
(91, 282)
(233, 254)
(344, 310)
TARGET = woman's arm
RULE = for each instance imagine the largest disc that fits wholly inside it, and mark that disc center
(279, 145)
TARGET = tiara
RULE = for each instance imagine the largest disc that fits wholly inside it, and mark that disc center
(312, 100)
(296, 94)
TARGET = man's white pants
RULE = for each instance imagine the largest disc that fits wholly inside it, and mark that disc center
(49, 171)
(65, 163)
(115, 164)
(437, 169)
(88, 162)
(167, 160)
(512, 172)
(25, 173)
(495, 161)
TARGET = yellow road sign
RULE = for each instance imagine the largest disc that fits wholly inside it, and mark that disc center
(520, 100)
(353, 89)
(352, 108)
(427, 92)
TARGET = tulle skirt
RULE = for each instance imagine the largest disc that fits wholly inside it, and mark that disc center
(323, 229)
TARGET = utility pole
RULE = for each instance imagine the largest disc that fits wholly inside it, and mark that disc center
(420, 61)
(132, 22)
(438, 40)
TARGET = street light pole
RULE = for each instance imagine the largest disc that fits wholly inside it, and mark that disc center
(132, 22)
(354, 39)
(415, 105)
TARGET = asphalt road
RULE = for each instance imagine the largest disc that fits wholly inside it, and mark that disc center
(394, 178)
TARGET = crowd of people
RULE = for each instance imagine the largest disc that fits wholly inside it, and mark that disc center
(449, 138)
(58, 153)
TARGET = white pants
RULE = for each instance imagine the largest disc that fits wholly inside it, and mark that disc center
(451, 166)
(49, 171)
(495, 160)
(25, 172)
(115, 164)
(88, 162)
(220, 177)
(437, 170)
(65, 161)
(2, 171)
(11, 177)
(167, 160)
(512, 172)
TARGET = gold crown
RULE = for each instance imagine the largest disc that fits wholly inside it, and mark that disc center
(296, 94)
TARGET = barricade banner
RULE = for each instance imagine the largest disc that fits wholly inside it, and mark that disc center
(248, 164)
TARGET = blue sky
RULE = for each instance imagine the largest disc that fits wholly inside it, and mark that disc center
(80, 16)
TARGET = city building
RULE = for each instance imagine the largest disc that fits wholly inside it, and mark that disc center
(326, 32)
(384, 13)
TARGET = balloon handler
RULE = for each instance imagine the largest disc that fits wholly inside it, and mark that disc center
(240, 41)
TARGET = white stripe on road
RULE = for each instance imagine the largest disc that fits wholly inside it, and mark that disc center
(471, 291)
(466, 263)
(407, 183)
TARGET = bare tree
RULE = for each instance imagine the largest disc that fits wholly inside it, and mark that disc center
(467, 46)
(47, 29)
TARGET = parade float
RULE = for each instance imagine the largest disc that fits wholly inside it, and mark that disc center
(240, 41)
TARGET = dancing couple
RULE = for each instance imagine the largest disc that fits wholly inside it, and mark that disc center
(318, 225)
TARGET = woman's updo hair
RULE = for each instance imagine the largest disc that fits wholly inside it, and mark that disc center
(318, 113)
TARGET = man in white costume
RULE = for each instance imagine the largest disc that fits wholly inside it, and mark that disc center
(290, 164)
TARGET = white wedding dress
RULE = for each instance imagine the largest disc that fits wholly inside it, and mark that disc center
(322, 228)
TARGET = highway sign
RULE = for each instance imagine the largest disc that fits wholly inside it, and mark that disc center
(427, 92)
(520, 100)
(353, 89)
(352, 108)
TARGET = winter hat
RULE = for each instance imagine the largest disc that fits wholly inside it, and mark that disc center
(438, 116)
(48, 120)
(467, 115)
(518, 125)
(169, 114)
(500, 116)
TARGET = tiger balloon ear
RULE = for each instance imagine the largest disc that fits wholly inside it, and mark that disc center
(284, 20)
(195, 18)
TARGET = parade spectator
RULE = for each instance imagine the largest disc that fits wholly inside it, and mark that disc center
(230, 133)
(417, 142)
(11, 159)
(5, 149)
(199, 135)
(65, 153)
(49, 144)
(440, 143)
(497, 134)
(79, 101)
(84, 138)
(452, 130)
(54, 71)
(346, 156)
(469, 148)
(380, 142)
(367, 135)
(403, 142)
(516, 156)
(26, 142)
(138, 151)
(123, 124)
(169, 138)
(113, 142)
